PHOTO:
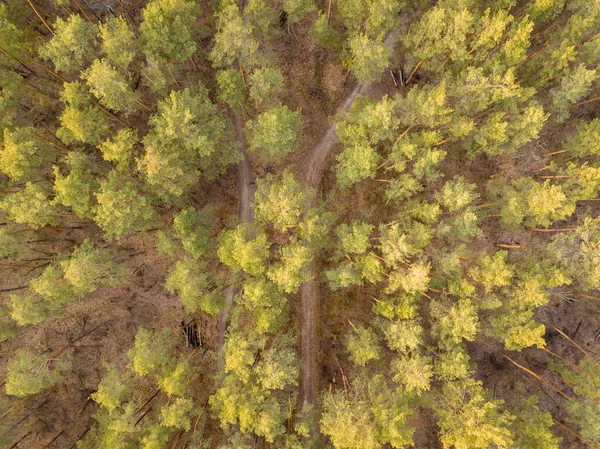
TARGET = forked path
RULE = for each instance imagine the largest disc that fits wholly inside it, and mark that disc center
(246, 214)
(315, 164)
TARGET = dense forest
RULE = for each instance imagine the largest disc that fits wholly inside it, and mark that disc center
(345, 224)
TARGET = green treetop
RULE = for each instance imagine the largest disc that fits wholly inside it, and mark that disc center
(414, 372)
(110, 87)
(30, 205)
(377, 17)
(174, 380)
(584, 410)
(274, 132)
(178, 414)
(118, 42)
(72, 44)
(28, 309)
(457, 194)
(574, 86)
(533, 203)
(113, 388)
(90, 267)
(192, 281)
(120, 148)
(372, 415)
(234, 40)
(166, 29)
(586, 141)
(150, 352)
(122, 209)
(297, 9)
(492, 271)
(578, 253)
(29, 373)
(265, 83)
(14, 38)
(188, 137)
(231, 87)
(356, 163)
(22, 154)
(278, 367)
(293, 268)
(533, 426)
(75, 190)
(354, 237)
(244, 248)
(469, 418)
(54, 288)
(280, 202)
(81, 121)
(363, 345)
(191, 227)
(370, 58)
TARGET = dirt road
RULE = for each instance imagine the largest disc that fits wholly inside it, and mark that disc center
(246, 213)
(316, 161)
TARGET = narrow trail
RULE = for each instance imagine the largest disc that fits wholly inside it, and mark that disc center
(315, 164)
(246, 214)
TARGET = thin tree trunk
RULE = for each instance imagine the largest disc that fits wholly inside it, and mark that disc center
(40, 16)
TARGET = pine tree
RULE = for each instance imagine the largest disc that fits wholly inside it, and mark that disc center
(191, 227)
(187, 135)
(297, 9)
(122, 209)
(28, 309)
(574, 86)
(244, 248)
(577, 253)
(72, 44)
(30, 374)
(279, 202)
(371, 416)
(113, 388)
(293, 268)
(22, 154)
(363, 345)
(356, 163)
(90, 267)
(370, 58)
(166, 30)
(118, 42)
(178, 414)
(110, 87)
(274, 132)
(414, 372)
(76, 189)
(492, 272)
(265, 84)
(81, 121)
(231, 87)
(192, 281)
(30, 205)
(120, 148)
(235, 40)
(150, 352)
(469, 418)
(324, 34)
(175, 379)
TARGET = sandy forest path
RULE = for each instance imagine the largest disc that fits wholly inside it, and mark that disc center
(246, 214)
(315, 163)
